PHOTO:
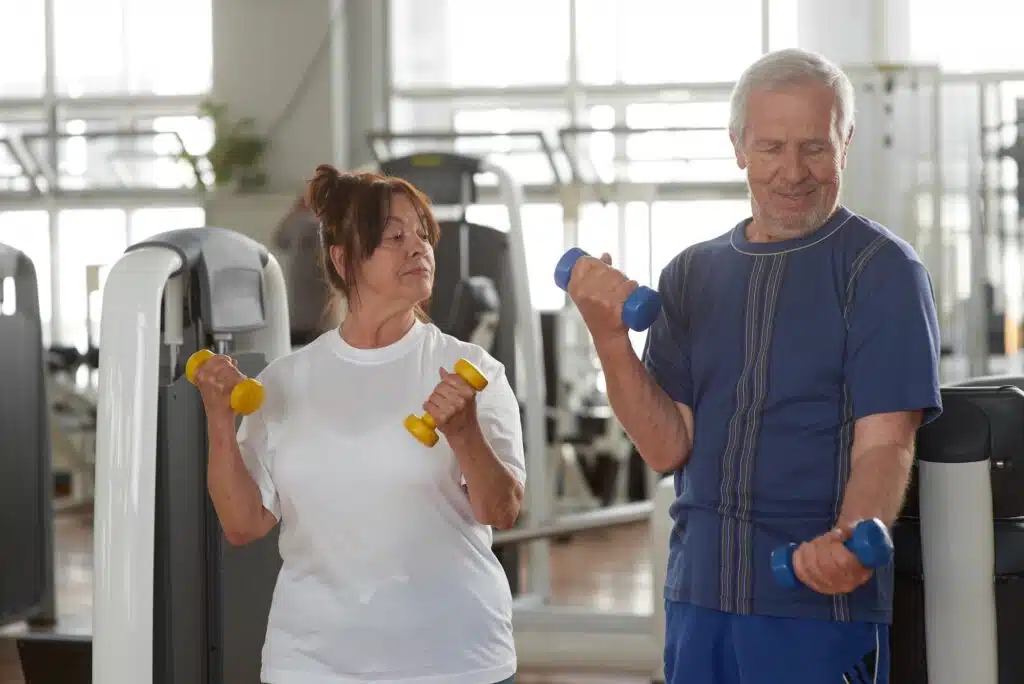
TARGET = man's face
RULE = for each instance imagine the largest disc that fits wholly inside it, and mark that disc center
(793, 156)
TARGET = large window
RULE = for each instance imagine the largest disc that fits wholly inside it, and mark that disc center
(93, 239)
(132, 46)
(666, 41)
(982, 42)
(86, 239)
(521, 156)
(22, 49)
(145, 223)
(460, 43)
(543, 236)
(678, 225)
(101, 154)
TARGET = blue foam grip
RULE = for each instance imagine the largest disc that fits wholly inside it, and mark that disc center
(870, 543)
(641, 307)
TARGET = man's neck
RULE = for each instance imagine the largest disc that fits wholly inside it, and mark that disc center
(761, 230)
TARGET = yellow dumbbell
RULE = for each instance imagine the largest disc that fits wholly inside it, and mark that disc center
(246, 397)
(423, 427)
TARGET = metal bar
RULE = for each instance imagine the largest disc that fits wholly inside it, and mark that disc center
(626, 514)
(633, 130)
(449, 135)
(96, 135)
(124, 198)
(654, 91)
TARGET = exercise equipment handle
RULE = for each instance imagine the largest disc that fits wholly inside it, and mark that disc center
(641, 307)
(247, 395)
(870, 543)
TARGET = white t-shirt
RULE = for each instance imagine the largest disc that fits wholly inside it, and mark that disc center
(387, 576)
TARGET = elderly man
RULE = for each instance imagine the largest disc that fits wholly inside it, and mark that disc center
(793, 362)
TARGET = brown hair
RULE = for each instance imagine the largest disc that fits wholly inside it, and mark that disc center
(353, 209)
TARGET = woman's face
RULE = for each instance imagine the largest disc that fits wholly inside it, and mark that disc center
(400, 272)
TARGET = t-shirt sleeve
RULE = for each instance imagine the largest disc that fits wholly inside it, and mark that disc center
(892, 353)
(501, 422)
(255, 445)
(667, 347)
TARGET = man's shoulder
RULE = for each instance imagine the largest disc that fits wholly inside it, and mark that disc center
(863, 240)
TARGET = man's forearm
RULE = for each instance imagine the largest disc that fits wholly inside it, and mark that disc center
(877, 484)
(647, 414)
(494, 493)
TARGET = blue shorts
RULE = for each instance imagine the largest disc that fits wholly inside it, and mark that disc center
(711, 647)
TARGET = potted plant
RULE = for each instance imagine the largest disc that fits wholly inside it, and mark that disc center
(235, 160)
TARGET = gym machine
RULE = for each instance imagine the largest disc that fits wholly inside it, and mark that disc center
(958, 564)
(26, 480)
(173, 602)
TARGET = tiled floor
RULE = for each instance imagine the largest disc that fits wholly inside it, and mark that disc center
(606, 570)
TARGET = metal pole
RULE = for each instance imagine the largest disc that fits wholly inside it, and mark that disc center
(601, 518)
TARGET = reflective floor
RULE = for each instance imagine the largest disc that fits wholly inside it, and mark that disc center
(607, 570)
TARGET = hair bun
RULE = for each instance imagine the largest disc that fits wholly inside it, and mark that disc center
(325, 182)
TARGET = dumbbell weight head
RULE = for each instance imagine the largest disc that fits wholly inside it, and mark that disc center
(423, 428)
(641, 307)
(246, 397)
(870, 543)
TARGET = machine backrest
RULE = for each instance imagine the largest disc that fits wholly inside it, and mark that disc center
(480, 251)
(26, 483)
(983, 421)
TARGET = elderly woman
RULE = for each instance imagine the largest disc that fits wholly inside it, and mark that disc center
(388, 574)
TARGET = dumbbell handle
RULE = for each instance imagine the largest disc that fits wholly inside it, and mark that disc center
(246, 396)
(869, 542)
(641, 307)
(424, 428)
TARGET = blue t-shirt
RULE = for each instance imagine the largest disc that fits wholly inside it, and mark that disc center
(779, 348)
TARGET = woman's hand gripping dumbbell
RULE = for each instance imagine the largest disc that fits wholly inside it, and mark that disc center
(608, 301)
(451, 407)
(222, 384)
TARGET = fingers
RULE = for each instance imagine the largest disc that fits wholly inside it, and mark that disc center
(826, 566)
(452, 396)
(218, 374)
(596, 280)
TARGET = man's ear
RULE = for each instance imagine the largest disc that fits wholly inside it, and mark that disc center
(737, 148)
(338, 259)
(846, 148)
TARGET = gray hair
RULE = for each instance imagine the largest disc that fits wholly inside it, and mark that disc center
(789, 67)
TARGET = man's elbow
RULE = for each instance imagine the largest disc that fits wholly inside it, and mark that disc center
(664, 461)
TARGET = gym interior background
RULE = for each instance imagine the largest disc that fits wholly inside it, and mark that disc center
(123, 119)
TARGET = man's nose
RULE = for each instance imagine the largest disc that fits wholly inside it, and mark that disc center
(794, 168)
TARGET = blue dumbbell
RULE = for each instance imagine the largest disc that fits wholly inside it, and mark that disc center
(870, 543)
(639, 311)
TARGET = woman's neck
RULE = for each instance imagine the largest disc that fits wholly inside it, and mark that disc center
(363, 330)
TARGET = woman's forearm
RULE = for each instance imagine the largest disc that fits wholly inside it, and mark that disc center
(494, 493)
(235, 495)
(654, 423)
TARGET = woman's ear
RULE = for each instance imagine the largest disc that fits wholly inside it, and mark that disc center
(338, 260)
